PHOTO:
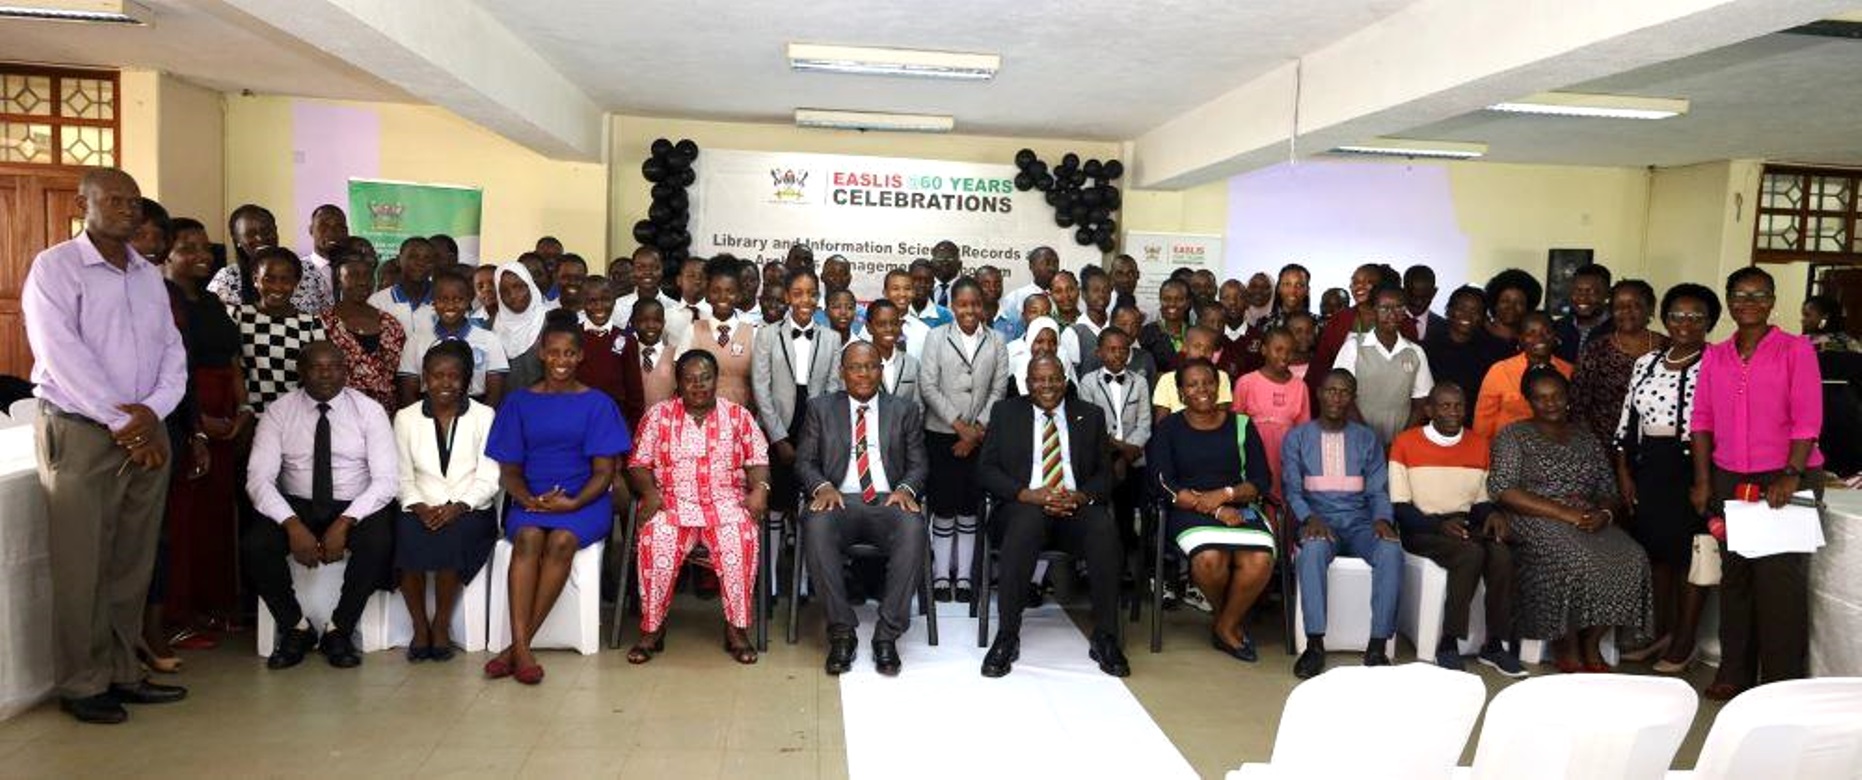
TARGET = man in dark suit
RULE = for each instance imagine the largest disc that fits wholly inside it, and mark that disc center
(1418, 296)
(1046, 463)
(862, 461)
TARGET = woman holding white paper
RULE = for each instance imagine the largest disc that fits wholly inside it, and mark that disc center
(1758, 409)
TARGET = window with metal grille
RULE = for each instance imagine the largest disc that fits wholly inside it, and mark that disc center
(58, 117)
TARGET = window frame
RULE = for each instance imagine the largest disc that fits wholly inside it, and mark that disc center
(59, 121)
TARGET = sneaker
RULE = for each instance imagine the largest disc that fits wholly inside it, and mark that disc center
(1450, 658)
(1503, 662)
(1194, 598)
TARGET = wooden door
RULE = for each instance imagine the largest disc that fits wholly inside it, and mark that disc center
(38, 208)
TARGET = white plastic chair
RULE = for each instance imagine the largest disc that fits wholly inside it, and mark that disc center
(1408, 721)
(574, 623)
(317, 591)
(470, 622)
(1583, 727)
(1424, 600)
(1347, 607)
(1796, 730)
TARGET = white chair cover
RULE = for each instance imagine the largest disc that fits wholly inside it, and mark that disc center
(1395, 722)
(470, 621)
(1347, 607)
(24, 411)
(1798, 729)
(317, 591)
(574, 623)
(1582, 727)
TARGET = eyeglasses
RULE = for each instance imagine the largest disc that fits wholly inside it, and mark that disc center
(1387, 309)
(1691, 317)
(1749, 297)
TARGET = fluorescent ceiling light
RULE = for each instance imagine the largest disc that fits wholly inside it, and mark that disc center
(1406, 147)
(870, 120)
(1579, 104)
(821, 58)
(107, 11)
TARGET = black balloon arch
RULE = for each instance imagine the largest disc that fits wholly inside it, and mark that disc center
(670, 170)
(1082, 194)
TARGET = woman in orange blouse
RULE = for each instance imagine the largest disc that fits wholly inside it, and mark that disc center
(1500, 403)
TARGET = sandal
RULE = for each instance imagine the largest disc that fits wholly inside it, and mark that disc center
(739, 647)
(1648, 651)
(644, 650)
(1567, 666)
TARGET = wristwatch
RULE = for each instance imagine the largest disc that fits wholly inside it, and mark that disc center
(1793, 471)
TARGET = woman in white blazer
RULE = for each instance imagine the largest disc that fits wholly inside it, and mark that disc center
(446, 527)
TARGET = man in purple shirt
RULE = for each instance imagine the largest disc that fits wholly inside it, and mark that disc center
(323, 471)
(109, 366)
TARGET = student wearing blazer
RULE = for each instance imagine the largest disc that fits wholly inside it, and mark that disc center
(898, 370)
(794, 360)
(1123, 395)
(446, 527)
(962, 373)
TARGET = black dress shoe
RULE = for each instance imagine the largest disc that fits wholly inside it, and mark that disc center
(940, 593)
(1376, 657)
(886, 657)
(339, 651)
(965, 594)
(1310, 664)
(1002, 655)
(1105, 650)
(102, 708)
(146, 692)
(841, 651)
(440, 653)
(289, 648)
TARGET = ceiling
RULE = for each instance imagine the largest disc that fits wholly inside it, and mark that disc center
(1777, 97)
(203, 41)
(1087, 69)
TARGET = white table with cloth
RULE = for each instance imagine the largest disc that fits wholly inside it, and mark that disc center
(25, 577)
(1836, 589)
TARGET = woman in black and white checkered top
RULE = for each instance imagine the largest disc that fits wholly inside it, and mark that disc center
(273, 331)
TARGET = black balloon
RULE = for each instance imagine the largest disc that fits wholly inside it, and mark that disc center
(1092, 168)
(660, 213)
(1090, 196)
(1110, 226)
(664, 190)
(653, 169)
(1081, 212)
(1112, 197)
(1044, 181)
(1107, 244)
(1063, 219)
(1100, 214)
(667, 239)
(661, 146)
(1025, 158)
(1052, 196)
(687, 148)
(1084, 236)
(1113, 169)
(679, 201)
(645, 231)
(1024, 182)
(1070, 160)
(685, 177)
(1039, 167)
(678, 162)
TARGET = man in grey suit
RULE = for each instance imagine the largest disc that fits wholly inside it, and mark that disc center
(862, 460)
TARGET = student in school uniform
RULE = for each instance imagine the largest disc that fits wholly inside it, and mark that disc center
(692, 304)
(1125, 397)
(793, 360)
(648, 359)
(925, 309)
(898, 370)
(914, 334)
(963, 371)
(722, 333)
(604, 349)
(452, 296)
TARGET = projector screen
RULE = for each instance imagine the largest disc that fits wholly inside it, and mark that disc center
(1335, 216)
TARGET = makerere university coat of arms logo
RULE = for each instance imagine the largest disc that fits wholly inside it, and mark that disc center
(791, 186)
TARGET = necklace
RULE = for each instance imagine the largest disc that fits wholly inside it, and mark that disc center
(1670, 357)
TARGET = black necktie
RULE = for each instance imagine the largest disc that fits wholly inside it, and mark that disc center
(1117, 379)
(798, 333)
(322, 481)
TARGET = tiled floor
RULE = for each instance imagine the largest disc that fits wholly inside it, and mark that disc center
(691, 713)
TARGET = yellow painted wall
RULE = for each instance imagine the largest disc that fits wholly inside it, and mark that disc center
(173, 144)
(1202, 209)
(526, 195)
(1513, 214)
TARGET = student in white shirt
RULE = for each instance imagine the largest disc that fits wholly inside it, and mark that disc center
(1043, 263)
(451, 293)
(414, 291)
(913, 332)
(1392, 371)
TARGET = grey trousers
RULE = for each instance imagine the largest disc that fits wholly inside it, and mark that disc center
(105, 517)
(826, 536)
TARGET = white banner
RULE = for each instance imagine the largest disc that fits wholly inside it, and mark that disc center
(1160, 253)
(878, 212)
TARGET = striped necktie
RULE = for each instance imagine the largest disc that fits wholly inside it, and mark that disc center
(861, 466)
(1050, 454)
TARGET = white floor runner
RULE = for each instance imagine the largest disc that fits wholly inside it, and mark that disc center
(1056, 715)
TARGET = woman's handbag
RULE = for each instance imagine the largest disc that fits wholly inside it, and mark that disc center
(1704, 569)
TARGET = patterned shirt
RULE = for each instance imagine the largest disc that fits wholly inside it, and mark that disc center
(311, 297)
(268, 348)
(371, 371)
(700, 467)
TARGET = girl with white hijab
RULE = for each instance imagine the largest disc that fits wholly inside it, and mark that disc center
(1041, 338)
(521, 310)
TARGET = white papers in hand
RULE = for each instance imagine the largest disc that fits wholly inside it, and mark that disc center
(1755, 530)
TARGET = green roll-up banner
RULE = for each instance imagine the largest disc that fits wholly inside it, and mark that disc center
(389, 212)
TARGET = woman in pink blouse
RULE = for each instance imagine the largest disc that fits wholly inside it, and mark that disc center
(1758, 408)
(701, 470)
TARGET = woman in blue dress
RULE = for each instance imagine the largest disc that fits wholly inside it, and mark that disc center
(556, 443)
